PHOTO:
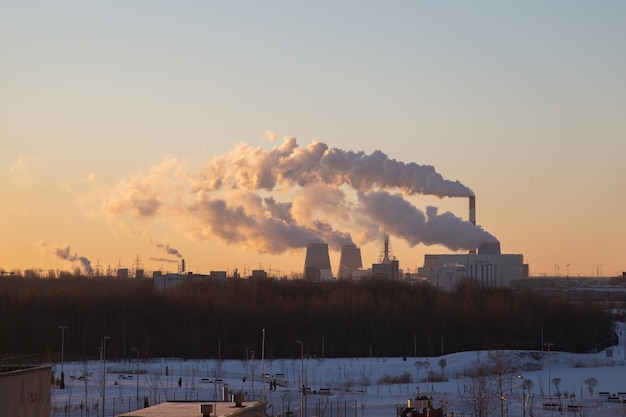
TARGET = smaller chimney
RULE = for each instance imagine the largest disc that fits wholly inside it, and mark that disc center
(207, 410)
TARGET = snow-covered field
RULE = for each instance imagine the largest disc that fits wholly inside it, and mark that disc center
(359, 387)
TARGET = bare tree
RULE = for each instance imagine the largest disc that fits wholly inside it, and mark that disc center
(418, 365)
(501, 367)
(442, 364)
(591, 385)
(557, 383)
(479, 390)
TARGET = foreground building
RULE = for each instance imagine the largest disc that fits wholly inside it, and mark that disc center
(25, 391)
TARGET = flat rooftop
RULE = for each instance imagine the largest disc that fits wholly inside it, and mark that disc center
(192, 409)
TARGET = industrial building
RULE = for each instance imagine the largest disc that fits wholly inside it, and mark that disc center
(486, 266)
(486, 269)
(388, 266)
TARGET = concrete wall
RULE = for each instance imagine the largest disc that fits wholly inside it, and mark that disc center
(25, 393)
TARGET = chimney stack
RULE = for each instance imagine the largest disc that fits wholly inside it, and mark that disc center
(472, 215)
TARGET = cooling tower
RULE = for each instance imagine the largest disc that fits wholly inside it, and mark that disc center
(317, 262)
(349, 261)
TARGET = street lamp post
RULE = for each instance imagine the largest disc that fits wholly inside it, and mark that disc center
(62, 382)
(548, 345)
(302, 388)
(506, 400)
(252, 366)
(104, 371)
(134, 349)
(523, 395)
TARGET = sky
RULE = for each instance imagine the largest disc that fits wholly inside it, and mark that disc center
(230, 134)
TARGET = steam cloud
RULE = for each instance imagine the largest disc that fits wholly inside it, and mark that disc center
(168, 249)
(64, 252)
(331, 196)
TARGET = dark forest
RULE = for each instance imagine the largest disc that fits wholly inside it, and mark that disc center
(225, 319)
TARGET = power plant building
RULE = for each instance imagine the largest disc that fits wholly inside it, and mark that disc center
(488, 268)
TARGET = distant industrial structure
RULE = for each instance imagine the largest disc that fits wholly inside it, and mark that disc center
(317, 263)
(388, 266)
(350, 262)
(485, 265)
(486, 268)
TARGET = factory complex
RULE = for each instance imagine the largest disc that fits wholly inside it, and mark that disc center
(484, 265)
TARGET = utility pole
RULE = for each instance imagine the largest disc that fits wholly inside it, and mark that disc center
(548, 345)
(104, 371)
(134, 349)
(62, 382)
(262, 363)
(302, 388)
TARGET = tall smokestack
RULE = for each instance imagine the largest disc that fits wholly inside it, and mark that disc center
(472, 215)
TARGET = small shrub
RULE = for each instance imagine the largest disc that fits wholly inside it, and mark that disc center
(404, 378)
(530, 367)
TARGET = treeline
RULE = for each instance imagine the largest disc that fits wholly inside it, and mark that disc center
(225, 319)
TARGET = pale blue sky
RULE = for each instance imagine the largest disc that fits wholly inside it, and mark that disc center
(521, 102)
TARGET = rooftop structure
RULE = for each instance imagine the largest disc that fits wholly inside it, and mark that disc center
(201, 409)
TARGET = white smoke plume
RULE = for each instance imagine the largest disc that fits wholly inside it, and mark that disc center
(64, 252)
(398, 217)
(287, 165)
(166, 248)
(288, 197)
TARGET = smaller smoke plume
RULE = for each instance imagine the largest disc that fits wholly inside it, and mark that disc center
(400, 218)
(172, 261)
(168, 249)
(65, 253)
